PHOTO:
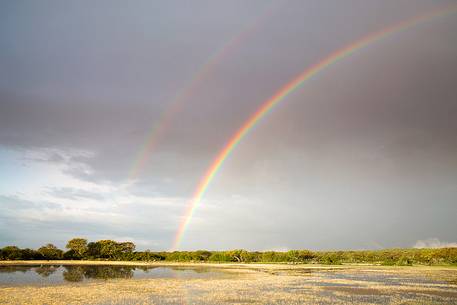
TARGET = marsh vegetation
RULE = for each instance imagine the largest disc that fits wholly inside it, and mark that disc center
(240, 284)
(81, 249)
(110, 272)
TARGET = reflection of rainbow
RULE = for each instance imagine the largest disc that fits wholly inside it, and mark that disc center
(281, 94)
(163, 122)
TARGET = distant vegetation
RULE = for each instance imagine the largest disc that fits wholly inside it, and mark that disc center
(80, 249)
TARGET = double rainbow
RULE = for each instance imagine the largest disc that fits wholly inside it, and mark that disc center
(281, 94)
(163, 123)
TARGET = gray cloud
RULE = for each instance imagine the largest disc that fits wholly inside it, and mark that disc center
(80, 91)
(434, 243)
(72, 193)
(149, 223)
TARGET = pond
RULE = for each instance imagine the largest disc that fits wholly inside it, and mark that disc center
(210, 285)
(57, 274)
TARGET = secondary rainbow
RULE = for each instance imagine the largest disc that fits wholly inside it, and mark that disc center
(281, 94)
(162, 124)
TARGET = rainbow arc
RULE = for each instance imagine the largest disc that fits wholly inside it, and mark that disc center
(281, 95)
(163, 123)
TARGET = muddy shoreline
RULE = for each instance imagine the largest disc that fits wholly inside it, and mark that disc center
(258, 266)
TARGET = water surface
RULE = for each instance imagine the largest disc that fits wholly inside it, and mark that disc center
(261, 285)
(58, 274)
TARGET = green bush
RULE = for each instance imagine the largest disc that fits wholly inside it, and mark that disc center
(112, 250)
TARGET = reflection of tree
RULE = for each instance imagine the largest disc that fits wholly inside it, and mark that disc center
(10, 269)
(73, 273)
(109, 272)
(79, 273)
(201, 270)
(145, 269)
(46, 270)
(196, 270)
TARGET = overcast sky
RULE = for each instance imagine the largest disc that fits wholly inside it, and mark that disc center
(363, 156)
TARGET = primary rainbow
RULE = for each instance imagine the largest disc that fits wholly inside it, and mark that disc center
(163, 122)
(281, 94)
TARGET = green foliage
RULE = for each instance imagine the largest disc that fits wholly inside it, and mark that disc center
(14, 253)
(330, 258)
(78, 245)
(71, 255)
(220, 257)
(112, 250)
(93, 250)
(109, 248)
(239, 256)
(11, 253)
(126, 247)
(50, 252)
(147, 256)
(201, 255)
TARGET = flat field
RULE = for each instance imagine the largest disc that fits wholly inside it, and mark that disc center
(233, 284)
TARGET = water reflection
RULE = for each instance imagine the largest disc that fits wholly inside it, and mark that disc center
(15, 268)
(52, 274)
(46, 270)
(79, 273)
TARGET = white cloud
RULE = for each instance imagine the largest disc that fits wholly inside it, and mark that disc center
(434, 243)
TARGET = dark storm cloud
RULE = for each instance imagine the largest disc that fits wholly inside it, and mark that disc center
(99, 79)
(83, 83)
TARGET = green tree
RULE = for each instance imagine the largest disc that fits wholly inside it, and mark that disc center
(239, 255)
(126, 247)
(78, 245)
(93, 249)
(201, 255)
(50, 251)
(108, 248)
(11, 253)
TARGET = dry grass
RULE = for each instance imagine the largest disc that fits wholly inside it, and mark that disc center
(275, 266)
(257, 284)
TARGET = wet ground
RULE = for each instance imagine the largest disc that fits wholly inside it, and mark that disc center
(249, 284)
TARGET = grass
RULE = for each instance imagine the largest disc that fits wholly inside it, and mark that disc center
(254, 284)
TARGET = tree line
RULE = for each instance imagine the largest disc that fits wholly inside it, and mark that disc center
(81, 249)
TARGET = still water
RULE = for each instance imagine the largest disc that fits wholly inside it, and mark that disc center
(57, 274)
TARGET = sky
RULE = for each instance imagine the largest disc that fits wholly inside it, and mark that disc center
(362, 156)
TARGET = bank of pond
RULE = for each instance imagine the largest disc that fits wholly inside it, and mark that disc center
(208, 284)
